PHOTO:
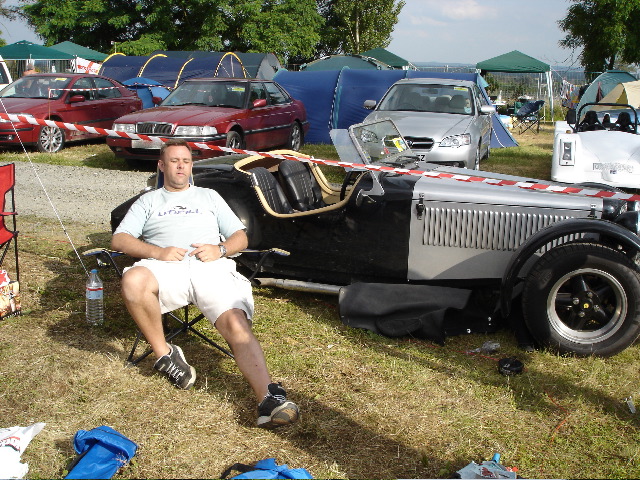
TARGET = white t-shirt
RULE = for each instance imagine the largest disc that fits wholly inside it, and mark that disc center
(180, 219)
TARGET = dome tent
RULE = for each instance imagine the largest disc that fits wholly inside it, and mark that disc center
(336, 62)
(172, 68)
(605, 82)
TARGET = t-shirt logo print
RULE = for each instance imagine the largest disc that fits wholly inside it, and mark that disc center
(178, 210)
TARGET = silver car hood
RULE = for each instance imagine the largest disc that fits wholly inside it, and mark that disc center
(426, 124)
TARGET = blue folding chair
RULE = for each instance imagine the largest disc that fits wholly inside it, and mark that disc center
(528, 116)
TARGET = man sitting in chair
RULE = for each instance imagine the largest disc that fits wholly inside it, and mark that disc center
(177, 230)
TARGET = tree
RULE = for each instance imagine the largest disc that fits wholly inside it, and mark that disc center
(354, 26)
(605, 30)
(284, 27)
(6, 12)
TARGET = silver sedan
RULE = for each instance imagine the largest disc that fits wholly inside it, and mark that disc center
(444, 121)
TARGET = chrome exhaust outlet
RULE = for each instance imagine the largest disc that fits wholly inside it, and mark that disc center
(298, 285)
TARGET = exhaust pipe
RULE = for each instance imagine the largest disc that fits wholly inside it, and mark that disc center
(298, 285)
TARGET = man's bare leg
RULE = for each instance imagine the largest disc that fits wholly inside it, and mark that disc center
(140, 294)
(236, 330)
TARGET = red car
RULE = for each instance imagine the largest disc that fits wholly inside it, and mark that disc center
(233, 112)
(88, 100)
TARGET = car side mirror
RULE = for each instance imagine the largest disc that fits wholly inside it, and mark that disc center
(259, 102)
(369, 104)
(77, 99)
(156, 100)
(487, 109)
(571, 117)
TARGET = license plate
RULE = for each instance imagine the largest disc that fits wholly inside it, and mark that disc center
(145, 144)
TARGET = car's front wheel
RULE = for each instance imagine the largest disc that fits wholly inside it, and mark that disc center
(50, 140)
(296, 138)
(234, 140)
(584, 299)
(476, 162)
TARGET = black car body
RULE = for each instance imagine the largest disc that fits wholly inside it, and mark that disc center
(430, 250)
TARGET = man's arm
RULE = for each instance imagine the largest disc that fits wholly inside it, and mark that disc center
(135, 247)
(234, 244)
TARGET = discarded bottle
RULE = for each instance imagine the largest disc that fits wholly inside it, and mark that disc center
(95, 307)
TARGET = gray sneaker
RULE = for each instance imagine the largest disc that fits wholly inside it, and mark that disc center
(180, 373)
(275, 410)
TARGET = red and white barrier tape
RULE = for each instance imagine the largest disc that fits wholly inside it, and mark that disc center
(334, 163)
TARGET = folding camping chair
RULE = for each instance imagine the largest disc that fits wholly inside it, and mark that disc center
(528, 116)
(106, 258)
(9, 280)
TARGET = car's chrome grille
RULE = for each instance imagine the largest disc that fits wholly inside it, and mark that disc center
(483, 228)
(419, 143)
(154, 128)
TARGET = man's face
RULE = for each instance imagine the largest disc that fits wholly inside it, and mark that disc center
(176, 164)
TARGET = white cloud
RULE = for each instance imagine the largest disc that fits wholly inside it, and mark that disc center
(436, 12)
(427, 21)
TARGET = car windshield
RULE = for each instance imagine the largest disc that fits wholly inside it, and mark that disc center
(230, 94)
(32, 86)
(428, 98)
(371, 142)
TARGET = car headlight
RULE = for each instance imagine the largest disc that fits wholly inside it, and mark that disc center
(125, 127)
(456, 141)
(195, 130)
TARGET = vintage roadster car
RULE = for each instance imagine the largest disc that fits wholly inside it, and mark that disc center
(411, 249)
(599, 144)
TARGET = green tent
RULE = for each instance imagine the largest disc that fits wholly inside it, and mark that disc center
(80, 51)
(391, 59)
(337, 62)
(513, 62)
(518, 62)
(24, 50)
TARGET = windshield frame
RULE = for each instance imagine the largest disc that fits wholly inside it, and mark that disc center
(379, 142)
(38, 84)
(201, 92)
(429, 98)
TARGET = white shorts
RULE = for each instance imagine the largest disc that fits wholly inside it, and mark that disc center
(213, 287)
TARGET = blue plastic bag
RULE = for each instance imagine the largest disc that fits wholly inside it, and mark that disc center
(102, 451)
(267, 468)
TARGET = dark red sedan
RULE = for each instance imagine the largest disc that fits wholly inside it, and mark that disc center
(88, 100)
(233, 112)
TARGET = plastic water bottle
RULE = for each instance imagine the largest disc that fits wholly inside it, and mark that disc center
(95, 307)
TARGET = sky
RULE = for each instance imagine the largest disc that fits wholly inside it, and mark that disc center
(451, 31)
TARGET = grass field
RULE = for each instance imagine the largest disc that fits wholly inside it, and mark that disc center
(372, 407)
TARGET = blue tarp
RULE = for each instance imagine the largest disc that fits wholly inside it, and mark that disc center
(334, 98)
(146, 89)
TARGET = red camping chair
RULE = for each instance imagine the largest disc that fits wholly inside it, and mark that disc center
(9, 280)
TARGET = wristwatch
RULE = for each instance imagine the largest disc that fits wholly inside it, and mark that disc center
(223, 250)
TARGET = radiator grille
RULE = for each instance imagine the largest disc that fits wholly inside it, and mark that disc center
(420, 143)
(154, 128)
(484, 229)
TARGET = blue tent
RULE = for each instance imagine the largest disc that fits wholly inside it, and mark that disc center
(334, 98)
(146, 89)
(171, 70)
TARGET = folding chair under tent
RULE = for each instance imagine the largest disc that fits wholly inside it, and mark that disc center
(9, 277)
(528, 116)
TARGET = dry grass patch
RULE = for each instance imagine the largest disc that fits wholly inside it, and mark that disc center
(372, 407)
